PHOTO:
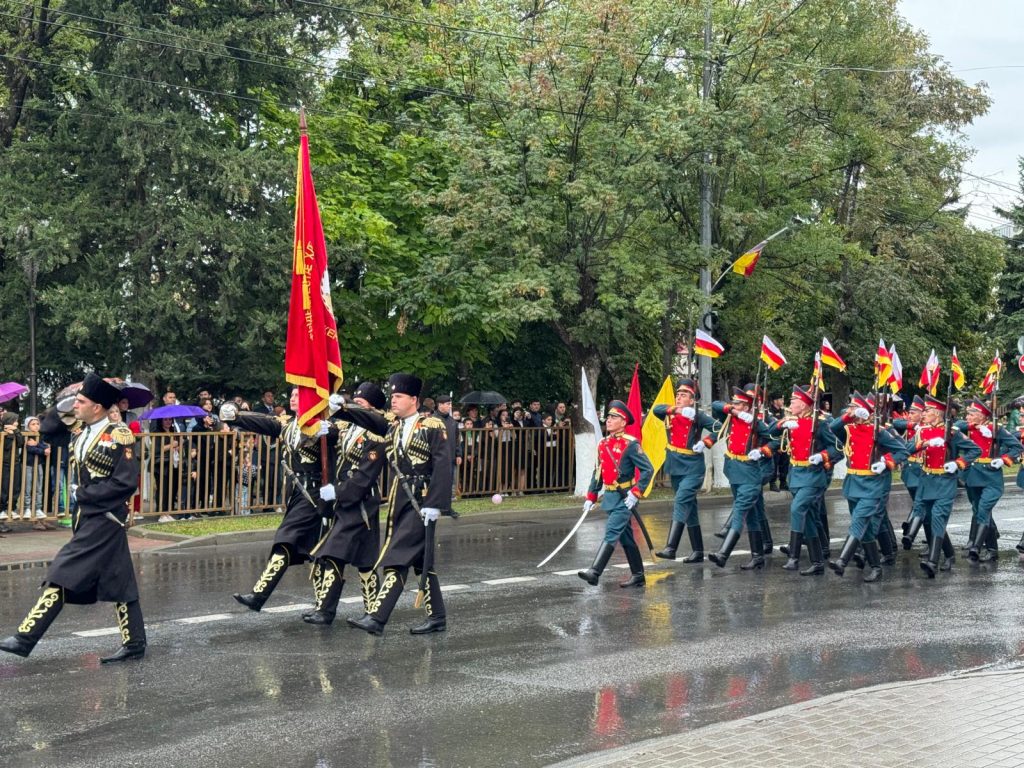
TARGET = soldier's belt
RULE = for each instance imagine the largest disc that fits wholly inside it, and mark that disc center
(618, 486)
(939, 471)
(863, 472)
(737, 456)
(983, 461)
(684, 451)
(799, 463)
(916, 460)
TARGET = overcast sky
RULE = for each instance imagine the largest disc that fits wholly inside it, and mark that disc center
(989, 34)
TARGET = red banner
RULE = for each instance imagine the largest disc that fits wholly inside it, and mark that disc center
(312, 357)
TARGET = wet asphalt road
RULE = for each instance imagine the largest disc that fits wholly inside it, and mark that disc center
(528, 674)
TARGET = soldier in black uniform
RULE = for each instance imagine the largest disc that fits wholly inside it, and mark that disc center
(303, 525)
(354, 538)
(96, 563)
(418, 446)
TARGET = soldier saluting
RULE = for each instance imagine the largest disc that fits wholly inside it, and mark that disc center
(354, 538)
(301, 528)
(96, 564)
(420, 457)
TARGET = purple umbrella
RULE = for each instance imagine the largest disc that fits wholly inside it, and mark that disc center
(175, 412)
(137, 395)
(11, 390)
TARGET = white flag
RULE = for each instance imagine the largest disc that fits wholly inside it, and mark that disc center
(589, 409)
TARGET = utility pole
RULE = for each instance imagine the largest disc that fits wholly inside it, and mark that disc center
(705, 217)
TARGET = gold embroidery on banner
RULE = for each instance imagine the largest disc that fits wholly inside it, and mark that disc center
(121, 611)
(49, 598)
(277, 562)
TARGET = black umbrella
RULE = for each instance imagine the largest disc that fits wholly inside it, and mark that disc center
(477, 397)
(137, 395)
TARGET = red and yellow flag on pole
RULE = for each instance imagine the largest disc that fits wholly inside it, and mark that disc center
(883, 365)
(930, 374)
(312, 357)
(771, 354)
(959, 380)
(830, 357)
(746, 263)
(991, 375)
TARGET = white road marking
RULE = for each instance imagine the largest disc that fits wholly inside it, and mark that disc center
(510, 580)
(351, 600)
(98, 632)
(566, 573)
(288, 608)
(455, 587)
(205, 619)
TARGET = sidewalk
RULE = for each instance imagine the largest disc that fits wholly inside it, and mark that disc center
(27, 548)
(973, 719)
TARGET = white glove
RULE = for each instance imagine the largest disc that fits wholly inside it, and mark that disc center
(861, 413)
(936, 442)
(327, 493)
(74, 491)
(336, 402)
(878, 467)
(588, 505)
(755, 455)
(745, 416)
(997, 464)
(985, 431)
(950, 467)
(430, 514)
(630, 500)
(790, 424)
(688, 412)
(815, 459)
(699, 446)
(325, 427)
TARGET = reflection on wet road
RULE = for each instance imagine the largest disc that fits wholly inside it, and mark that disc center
(529, 673)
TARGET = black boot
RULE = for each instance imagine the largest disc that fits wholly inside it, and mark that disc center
(1020, 545)
(721, 557)
(814, 552)
(433, 603)
(133, 633)
(725, 531)
(849, 547)
(796, 541)
(593, 573)
(268, 580)
(971, 538)
(911, 532)
(874, 571)
(858, 558)
(773, 486)
(948, 554)
(979, 535)
(328, 593)
(824, 535)
(991, 545)
(767, 544)
(675, 533)
(927, 540)
(696, 545)
(756, 561)
(368, 583)
(885, 544)
(391, 587)
(317, 577)
(636, 568)
(35, 624)
(930, 565)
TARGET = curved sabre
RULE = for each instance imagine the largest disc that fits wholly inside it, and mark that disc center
(566, 539)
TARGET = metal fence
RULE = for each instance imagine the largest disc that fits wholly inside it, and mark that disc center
(185, 474)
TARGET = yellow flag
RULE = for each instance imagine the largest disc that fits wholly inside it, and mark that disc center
(655, 439)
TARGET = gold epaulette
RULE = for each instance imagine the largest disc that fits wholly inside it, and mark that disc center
(389, 417)
(628, 437)
(122, 435)
(432, 422)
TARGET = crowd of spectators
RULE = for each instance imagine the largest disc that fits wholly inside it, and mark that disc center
(189, 469)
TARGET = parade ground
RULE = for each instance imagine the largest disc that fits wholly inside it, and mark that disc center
(705, 666)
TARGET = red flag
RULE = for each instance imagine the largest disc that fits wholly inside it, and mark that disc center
(635, 407)
(312, 357)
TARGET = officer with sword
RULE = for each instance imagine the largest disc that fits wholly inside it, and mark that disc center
(619, 457)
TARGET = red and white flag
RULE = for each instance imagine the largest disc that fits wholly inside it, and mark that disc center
(771, 354)
(896, 374)
(930, 374)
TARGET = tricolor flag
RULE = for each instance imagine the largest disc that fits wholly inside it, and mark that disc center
(992, 375)
(883, 365)
(312, 357)
(703, 344)
(959, 380)
(829, 356)
(745, 264)
(771, 354)
(896, 377)
(818, 375)
(930, 374)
